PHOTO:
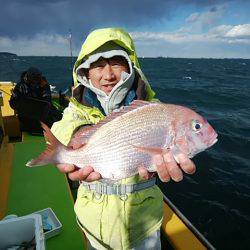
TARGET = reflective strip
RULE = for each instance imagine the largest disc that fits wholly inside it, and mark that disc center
(118, 189)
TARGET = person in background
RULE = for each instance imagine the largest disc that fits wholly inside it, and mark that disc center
(108, 76)
(31, 99)
(28, 87)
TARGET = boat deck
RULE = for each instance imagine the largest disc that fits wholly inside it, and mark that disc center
(33, 189)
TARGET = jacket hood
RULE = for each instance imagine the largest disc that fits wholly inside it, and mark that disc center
(99, 37)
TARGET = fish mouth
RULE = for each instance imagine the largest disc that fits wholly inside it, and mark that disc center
(213, 139)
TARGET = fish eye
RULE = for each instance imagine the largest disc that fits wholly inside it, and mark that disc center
(196, 125)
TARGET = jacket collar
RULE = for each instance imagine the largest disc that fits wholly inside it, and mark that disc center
(88, 98)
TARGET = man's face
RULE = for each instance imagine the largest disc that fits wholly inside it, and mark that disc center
(106, 73)
(33, 79)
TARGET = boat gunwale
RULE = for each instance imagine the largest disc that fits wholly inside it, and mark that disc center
(189, 225)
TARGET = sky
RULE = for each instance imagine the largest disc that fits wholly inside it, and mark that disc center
(167, 28)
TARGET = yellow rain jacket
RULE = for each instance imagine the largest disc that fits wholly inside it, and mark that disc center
(110, 221)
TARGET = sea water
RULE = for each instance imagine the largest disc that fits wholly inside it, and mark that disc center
(216, 199)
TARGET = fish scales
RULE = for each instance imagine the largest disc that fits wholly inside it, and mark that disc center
(114, 149)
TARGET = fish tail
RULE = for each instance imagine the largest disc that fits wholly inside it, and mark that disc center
(51, 151)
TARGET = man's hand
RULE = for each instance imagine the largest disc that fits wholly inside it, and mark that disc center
(167, 167)
(75, 174)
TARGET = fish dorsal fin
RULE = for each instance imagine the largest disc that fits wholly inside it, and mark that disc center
(123, 110)
(82, 136)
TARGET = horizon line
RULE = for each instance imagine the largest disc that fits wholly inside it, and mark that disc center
(140, 57)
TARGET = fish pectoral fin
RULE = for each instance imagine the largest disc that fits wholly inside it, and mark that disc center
(149, 150)
(76, 145)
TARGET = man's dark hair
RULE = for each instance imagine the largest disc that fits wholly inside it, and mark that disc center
(32, 71)
(34, 75)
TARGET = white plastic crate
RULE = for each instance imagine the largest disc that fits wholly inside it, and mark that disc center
(50, 222)
(18, 231)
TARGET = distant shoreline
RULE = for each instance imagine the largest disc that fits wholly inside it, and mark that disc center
(7, 54)
(140, 57)
(162, 58)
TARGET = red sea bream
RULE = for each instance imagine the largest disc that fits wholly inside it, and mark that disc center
(128, 138)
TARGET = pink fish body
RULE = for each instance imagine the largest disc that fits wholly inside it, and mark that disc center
(128, 138)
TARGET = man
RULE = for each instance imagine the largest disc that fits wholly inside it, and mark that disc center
(108, 76)
(31, 99)
(23, 93)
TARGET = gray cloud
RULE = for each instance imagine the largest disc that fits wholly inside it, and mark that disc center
(200, 22)
(28, 17)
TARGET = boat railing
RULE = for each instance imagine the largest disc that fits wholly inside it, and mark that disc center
(197, 238)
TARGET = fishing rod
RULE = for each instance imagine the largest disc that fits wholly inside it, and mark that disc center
(71, 55)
